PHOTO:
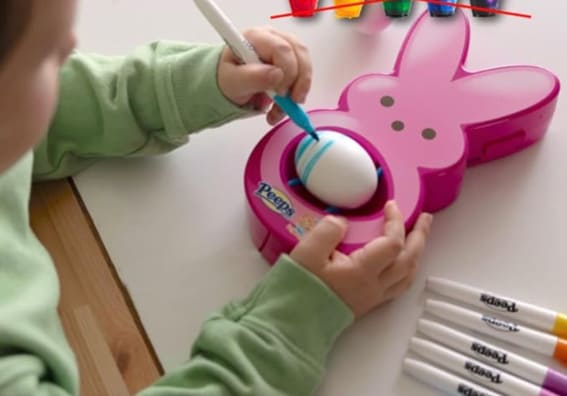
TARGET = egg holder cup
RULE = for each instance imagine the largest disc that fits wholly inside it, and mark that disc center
(423, 125)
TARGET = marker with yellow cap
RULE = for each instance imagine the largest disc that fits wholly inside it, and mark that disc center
(346, 11)
(537, 317)
(525, 337)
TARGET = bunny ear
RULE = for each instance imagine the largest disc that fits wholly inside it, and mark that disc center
(504, 91)
(434, 49)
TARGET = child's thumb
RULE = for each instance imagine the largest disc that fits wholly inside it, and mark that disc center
(255, 78)
(324, 238)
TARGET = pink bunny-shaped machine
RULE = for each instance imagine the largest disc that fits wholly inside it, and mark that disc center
(422, 125)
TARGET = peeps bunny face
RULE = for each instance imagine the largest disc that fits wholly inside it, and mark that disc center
(410, 121)
(430, 98)
(422, 125)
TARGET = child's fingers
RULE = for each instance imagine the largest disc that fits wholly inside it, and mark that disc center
(321, 242)
(277, 51)
(247, 80)
(261, 102)
(302, 84)
(417, 238)
(398, 289)
(394, 222)
(397, 272)
(407, 261)
(379, 254)
(398, 282)
(275, 115)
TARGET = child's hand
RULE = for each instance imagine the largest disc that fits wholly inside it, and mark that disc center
(372, 275)
(287, 71)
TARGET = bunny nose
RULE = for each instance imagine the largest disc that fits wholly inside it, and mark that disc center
(398, 126)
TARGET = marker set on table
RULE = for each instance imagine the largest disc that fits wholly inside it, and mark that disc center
(395, 8)
(489, 369)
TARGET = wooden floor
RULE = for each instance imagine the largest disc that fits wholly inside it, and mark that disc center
(114, 356)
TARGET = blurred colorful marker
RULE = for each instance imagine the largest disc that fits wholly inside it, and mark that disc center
(397, 8)
(348, 12)
(442, 10)
(492, 4)
(303, 8)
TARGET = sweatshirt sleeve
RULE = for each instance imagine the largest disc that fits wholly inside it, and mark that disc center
(35, 358)
(142, 104)
(274, 343)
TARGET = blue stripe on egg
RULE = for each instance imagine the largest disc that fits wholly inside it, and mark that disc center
(305, 143)
(313, 161)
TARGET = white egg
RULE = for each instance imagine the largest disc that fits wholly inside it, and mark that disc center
(336, 169)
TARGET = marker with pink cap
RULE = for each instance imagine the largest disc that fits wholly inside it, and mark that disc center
(472, 369)
(495, 356)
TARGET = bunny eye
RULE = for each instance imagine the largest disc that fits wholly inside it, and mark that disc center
(387, 101)
(398, 126)
(429, 133)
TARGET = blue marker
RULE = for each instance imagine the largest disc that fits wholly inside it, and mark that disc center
(445, 9)
(296, 114)
(244, 50)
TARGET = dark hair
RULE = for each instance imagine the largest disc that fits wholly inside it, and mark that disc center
(14, 19)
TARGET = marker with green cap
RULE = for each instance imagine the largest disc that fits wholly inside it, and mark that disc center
(397, 8)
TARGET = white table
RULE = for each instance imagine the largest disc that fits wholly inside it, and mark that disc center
(505, 232)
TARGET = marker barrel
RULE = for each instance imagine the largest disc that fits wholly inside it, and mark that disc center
(444, 381)
(475, 370)
(537, 317)
(495, 356)
(513, 333)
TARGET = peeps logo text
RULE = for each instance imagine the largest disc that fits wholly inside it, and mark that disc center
(498, 303)
(490, 353)
(483, 372)
(500, 325)
(468, 391)
(275, 200)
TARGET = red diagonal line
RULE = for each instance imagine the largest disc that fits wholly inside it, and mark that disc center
(334, 7)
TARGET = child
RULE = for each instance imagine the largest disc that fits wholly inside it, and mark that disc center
(58, 115)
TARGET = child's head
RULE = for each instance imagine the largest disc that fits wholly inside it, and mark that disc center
(35, 39)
